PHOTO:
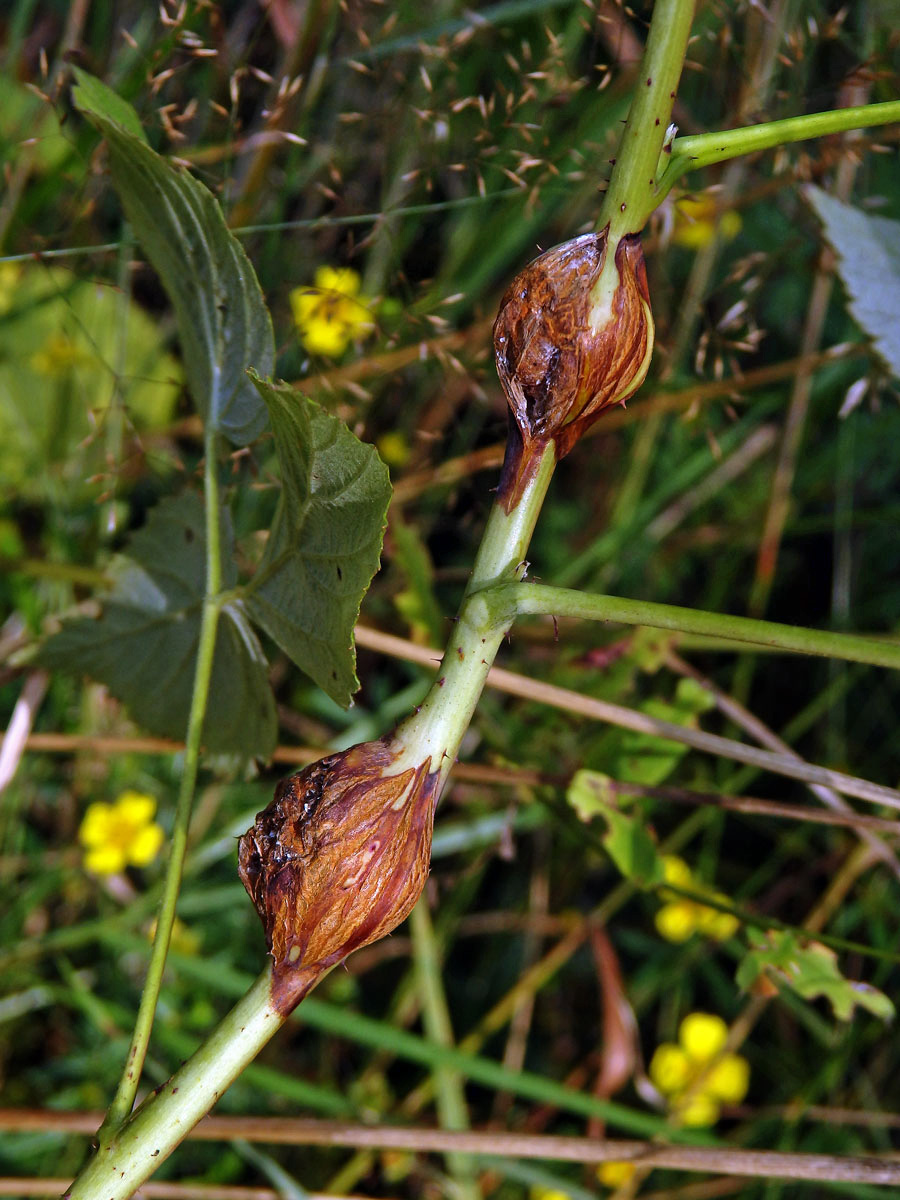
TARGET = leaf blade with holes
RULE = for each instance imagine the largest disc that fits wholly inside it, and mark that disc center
(223, 323)
(143, 645)
(868, 250)
(811, 971)
(627, 841)
(325, 543)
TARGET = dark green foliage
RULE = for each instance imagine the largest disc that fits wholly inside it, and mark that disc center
(436, 193)
(143, 645)
(223, 323)
(325, 541)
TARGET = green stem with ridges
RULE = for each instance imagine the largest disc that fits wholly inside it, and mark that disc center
(706, 149)
(146, 1139)
(123, 1100)
(448, 1084)
(530, 599)
(632, 193)
(437, 728)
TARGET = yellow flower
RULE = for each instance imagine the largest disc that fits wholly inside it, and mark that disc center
(695, 1076)
(697, 223)
(119, 835)
(681, 918)
(58, 356)
(538, 1192)
(394, 448)
(9, 279)
(332, 313)
(184, 940)
(614, 1174)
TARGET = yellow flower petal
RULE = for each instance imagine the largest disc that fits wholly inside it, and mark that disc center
(118, 834)
(145, 845)
(614, 1174)
(394, 449)
(676, 922)
(338, 279)
(331, 314)
(676, 870)
(304, 303)
(729, 1079)
(94, 827)
(669, 1068)
(715, 924)
(136, 807)
(105, 860)
(325, 336)
(702, 1036)
(699, 1110)
(697, 222)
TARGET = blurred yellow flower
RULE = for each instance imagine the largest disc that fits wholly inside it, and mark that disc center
(58, 356)
(680, 918)
(394, 448)
(119, 835)
(695, 1076)
(183, 939)
(9, 279)
(615, 1174)
(537, 1191)
(697, 222)
(331, 314)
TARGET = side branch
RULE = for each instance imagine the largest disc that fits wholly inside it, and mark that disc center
(706, 149)
(532, 599)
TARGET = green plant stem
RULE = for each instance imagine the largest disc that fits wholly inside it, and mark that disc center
(532, 599)
(632, 194)
(128, 1084)
(705, 149)
(115, 414)
(152, 1133)
(439, 725)
(448, 1085)
(130, 1152)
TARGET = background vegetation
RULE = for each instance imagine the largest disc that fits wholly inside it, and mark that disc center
(432, 151)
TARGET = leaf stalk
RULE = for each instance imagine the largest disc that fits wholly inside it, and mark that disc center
(530, 599)
(706, 149)
(126, 1091)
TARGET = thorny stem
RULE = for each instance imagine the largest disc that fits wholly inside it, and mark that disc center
(166, 1116)
(530, 599)
(128, 1084)
(632, 194)
(140, 1144)
(439, 725)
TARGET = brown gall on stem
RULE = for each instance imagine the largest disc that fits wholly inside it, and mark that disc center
(337, 861)
(574, 335)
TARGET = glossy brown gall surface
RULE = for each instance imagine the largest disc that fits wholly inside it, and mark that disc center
(337, 860)
(564, 354)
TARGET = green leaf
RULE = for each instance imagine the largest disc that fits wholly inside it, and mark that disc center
(627, 841)
(325, 542)
(95, 99)
(223, 322)
(143, 645)
(868, 250)
(810, 971)
(61, 340)
(647, 759)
